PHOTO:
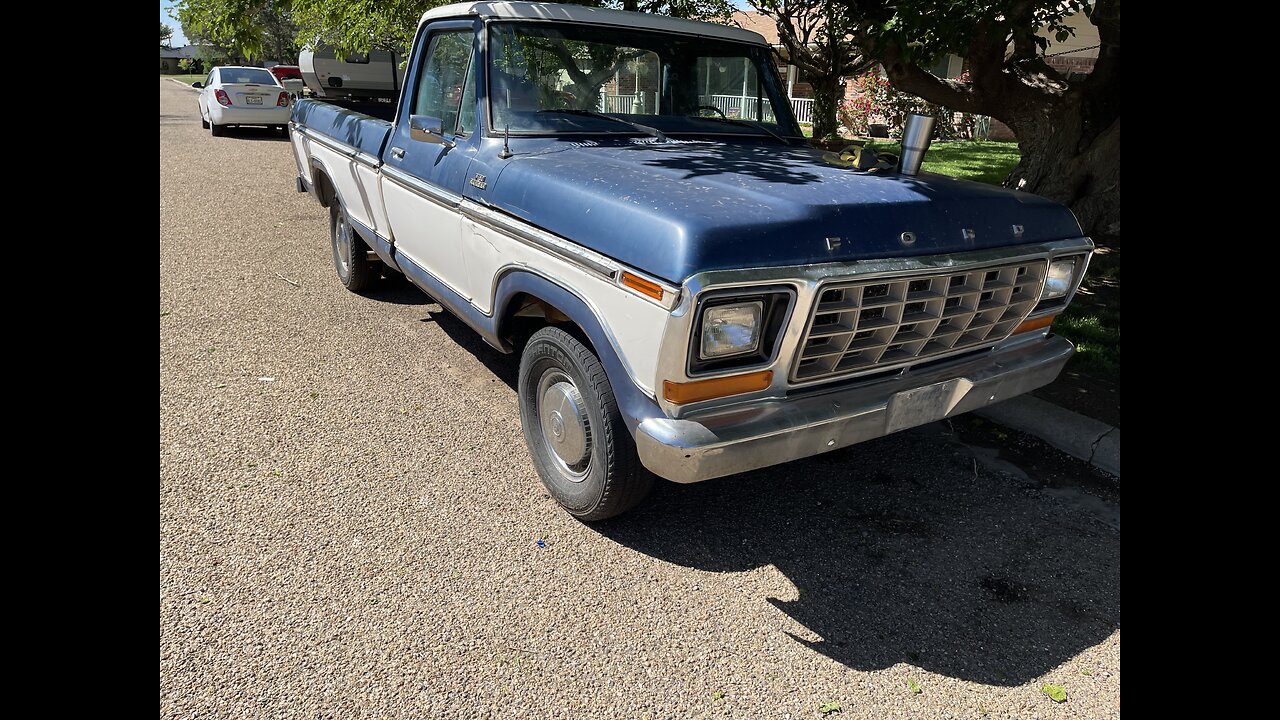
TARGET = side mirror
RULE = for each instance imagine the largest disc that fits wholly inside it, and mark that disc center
(197, 85)
(427, 129)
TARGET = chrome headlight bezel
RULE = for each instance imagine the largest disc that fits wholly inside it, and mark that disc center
(1054, 303)
(1060, 278)
(775, 308)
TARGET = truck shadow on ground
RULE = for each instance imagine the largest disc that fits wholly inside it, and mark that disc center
(903, 550)
(914, 548)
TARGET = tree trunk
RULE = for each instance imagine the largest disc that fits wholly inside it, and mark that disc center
(1072, 156)
(826, 100)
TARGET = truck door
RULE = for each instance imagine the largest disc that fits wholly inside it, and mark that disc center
(423, 176)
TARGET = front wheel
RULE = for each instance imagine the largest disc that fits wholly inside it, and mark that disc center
(575, 433)
(350, 257)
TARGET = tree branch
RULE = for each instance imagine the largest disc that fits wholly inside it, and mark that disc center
(908, 76)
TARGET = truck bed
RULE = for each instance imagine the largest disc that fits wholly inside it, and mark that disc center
(361, 125)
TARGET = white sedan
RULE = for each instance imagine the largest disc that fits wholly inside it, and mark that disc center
(242, 96)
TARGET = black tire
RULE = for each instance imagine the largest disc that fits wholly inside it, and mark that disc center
(217, 130)
(603, 479)
(204, 123)
(350, 255)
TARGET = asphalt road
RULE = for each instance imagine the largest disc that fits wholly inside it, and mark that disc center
(349, 522)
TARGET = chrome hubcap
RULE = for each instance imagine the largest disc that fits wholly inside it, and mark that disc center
(342, 242)
(565, 428)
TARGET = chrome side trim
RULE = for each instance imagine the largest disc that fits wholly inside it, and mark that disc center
(494, 219)
(531, 235)
(435, 194)
(367, 160)
(335, 145)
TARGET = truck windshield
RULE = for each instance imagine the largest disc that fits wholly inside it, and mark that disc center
(542, 77)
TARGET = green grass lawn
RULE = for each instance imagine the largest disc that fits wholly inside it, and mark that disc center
(1092, 321)
(988, 162)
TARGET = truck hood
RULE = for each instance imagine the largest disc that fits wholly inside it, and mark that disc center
(675, 209)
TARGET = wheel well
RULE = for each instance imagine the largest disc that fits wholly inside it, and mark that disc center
(526, 314)
(325, 191)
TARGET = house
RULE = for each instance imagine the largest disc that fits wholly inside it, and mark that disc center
(798, 89)
(170, 57)
(1073, 57)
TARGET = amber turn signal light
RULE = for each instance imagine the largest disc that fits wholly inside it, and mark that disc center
(642, 286)
(1039, 323)
(697, 390)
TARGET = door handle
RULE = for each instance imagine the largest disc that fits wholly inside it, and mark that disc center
(397, 152)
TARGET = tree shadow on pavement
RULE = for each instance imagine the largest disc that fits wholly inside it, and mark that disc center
(904, 549)
(505, 367)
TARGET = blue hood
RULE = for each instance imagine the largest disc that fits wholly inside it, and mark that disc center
(677, 209)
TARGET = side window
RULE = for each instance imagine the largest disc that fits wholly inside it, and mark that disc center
(467, 113)
(443, 80)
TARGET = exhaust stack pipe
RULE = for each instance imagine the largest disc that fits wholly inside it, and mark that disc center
(917, 133)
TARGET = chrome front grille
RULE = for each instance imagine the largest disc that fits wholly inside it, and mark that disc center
(870, 325)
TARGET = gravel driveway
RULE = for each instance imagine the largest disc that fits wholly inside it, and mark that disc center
(349, 522)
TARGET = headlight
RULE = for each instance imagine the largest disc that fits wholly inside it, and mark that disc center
(731, 329)
(1062, 274)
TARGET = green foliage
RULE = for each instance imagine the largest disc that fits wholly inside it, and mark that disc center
(927, 32)
(252, 28)
(166, 34)
(241, 28)
(1056, 693)
(914, 686)
(828, 708)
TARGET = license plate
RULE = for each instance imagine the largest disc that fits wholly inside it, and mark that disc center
(922, 405)
(254, 99)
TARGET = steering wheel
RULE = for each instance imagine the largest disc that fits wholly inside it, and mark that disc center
(714, 109)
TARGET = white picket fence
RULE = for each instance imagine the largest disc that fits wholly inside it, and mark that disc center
(617, 103)
(734, 106)
(803, 108)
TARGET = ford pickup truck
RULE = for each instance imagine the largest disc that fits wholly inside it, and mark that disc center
(627, 201)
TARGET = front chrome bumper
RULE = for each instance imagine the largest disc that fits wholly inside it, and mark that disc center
(745, 437)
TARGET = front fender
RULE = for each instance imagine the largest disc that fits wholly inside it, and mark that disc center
(634, 404)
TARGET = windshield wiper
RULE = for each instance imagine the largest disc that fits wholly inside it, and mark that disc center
(748, 124)
(655, 132)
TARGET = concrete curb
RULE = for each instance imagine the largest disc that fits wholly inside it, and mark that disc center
(1093, 441)
(185, 85)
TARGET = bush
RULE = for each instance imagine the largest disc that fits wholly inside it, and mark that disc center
(875, 101)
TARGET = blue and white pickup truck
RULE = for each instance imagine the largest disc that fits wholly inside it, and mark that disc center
(627, 201)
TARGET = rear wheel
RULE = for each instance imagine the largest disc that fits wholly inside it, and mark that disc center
(575, 433)
(350, 256)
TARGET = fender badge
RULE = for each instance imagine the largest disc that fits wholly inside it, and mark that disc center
(833, 244)
(1017, 231)
(478, 181)
(969, 234)
(908, 238)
